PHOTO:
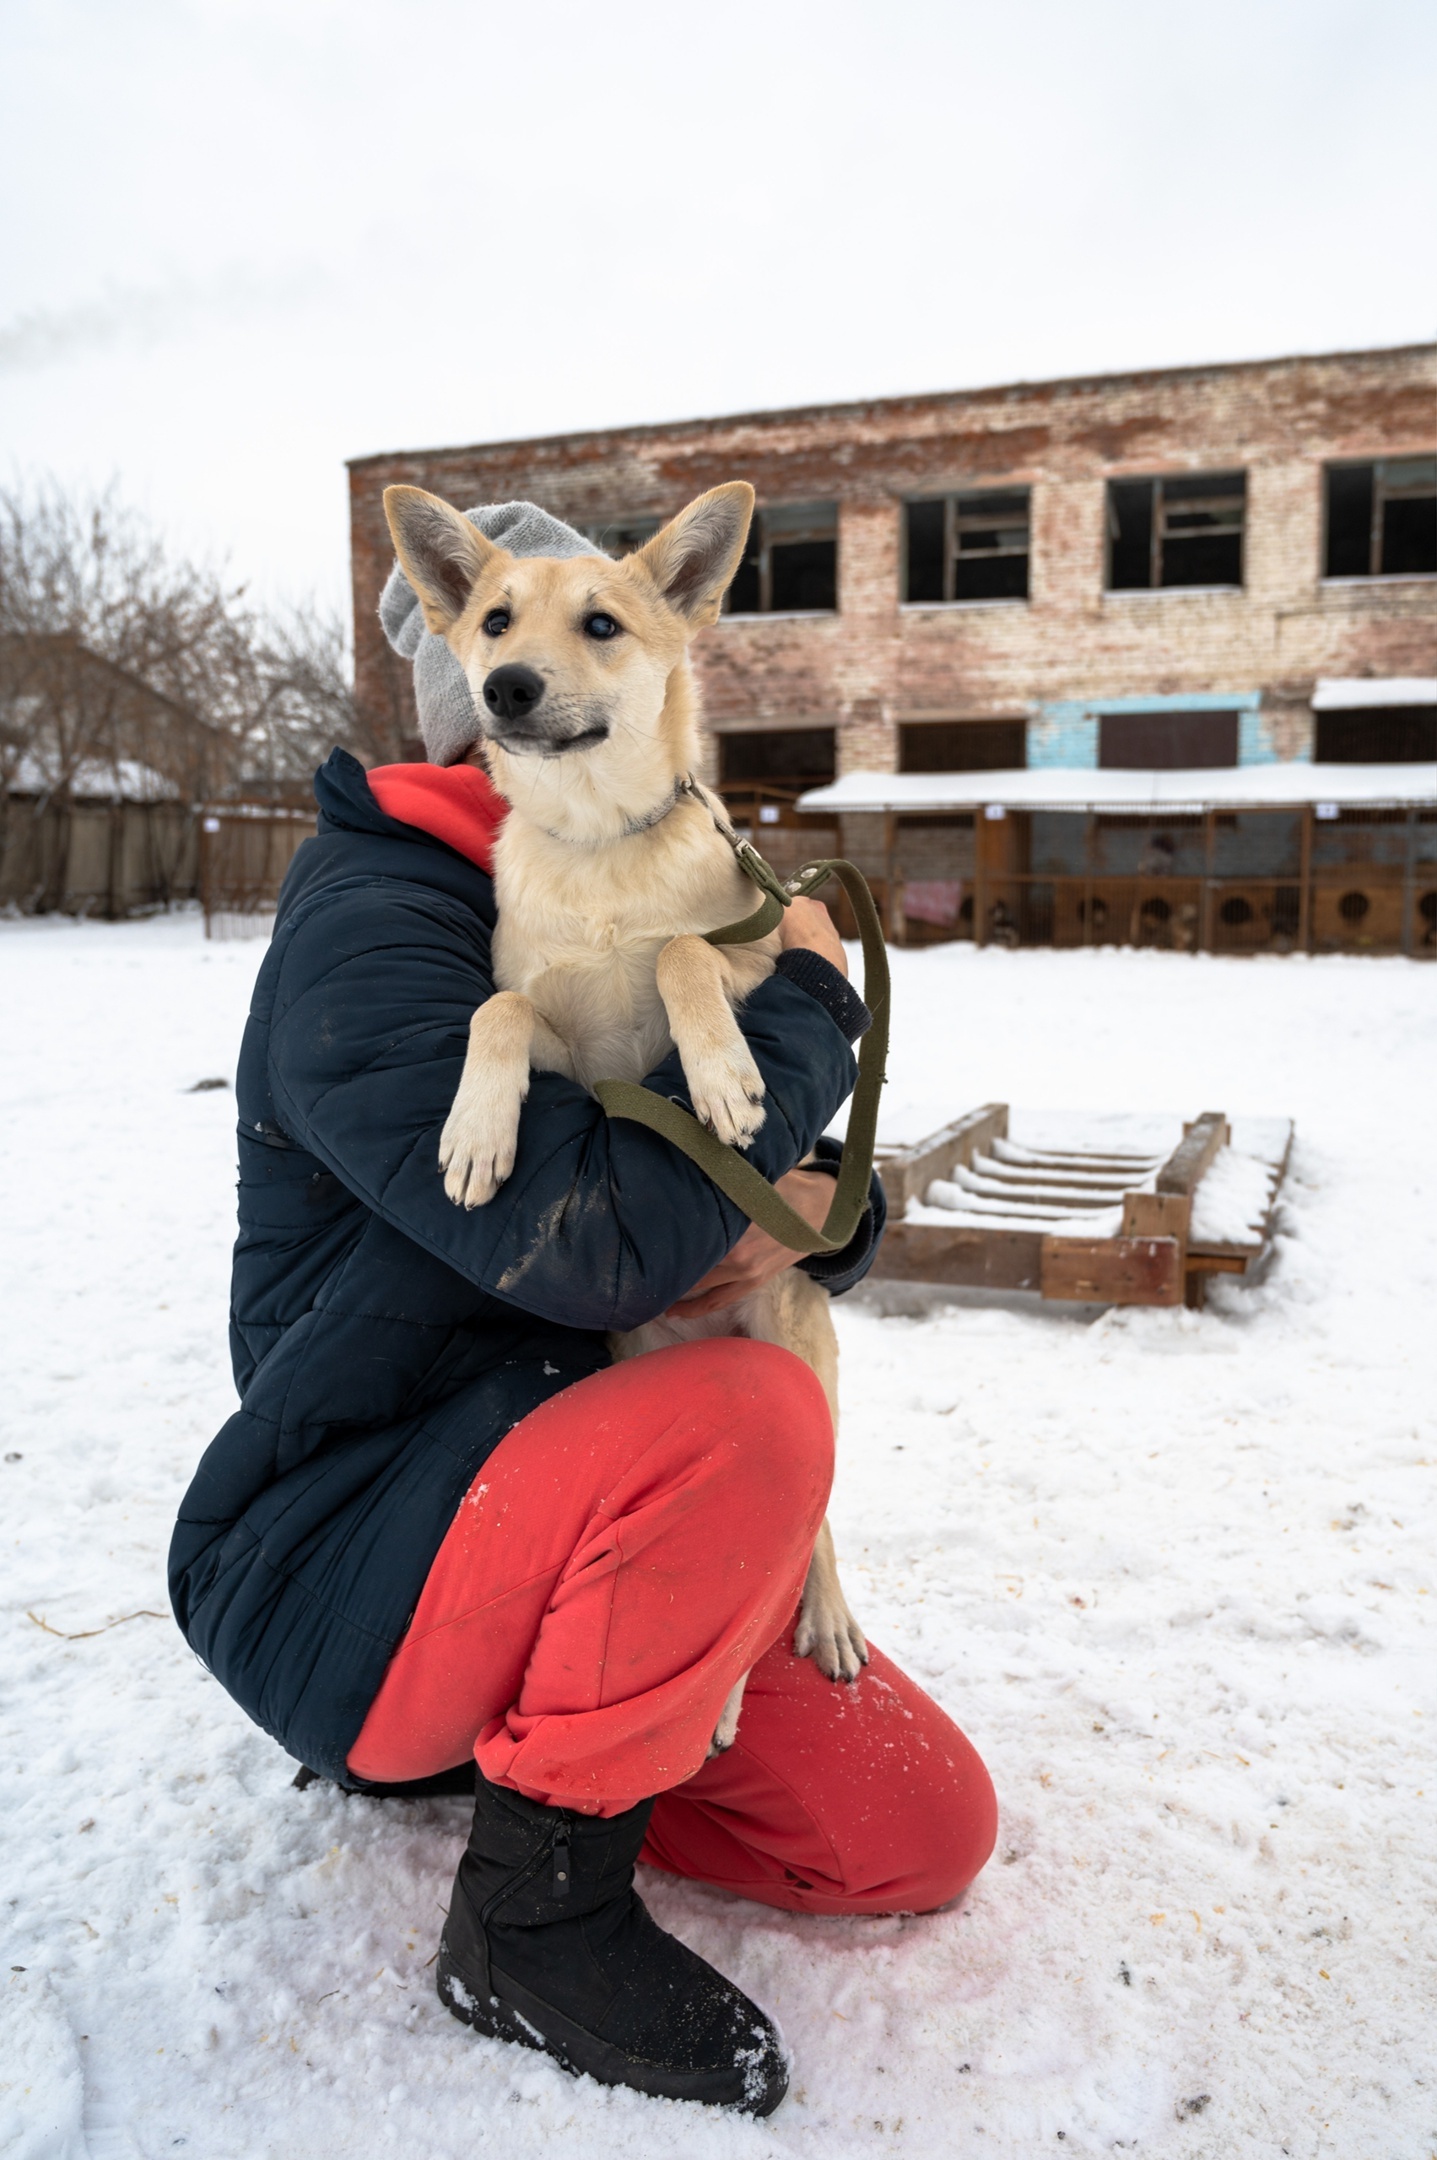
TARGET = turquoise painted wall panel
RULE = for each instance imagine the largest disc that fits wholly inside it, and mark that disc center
(1064, 735)
(1064, 732)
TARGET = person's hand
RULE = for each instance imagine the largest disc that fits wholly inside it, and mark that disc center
(808, 922)
(757, 1257)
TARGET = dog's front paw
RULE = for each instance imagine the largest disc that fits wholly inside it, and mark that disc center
(476, 1153)
(727, 1090)
(828, 1633)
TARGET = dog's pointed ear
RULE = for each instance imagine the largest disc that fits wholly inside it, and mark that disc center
(695, 556)
(441, 553)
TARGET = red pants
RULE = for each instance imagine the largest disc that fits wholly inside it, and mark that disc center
(625, 1554)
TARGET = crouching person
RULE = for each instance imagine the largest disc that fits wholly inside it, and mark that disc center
(443, 1530)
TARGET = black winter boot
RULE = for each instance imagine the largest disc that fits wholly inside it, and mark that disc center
(547, 1943)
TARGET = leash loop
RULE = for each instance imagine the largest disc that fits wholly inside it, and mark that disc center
(725, 1166)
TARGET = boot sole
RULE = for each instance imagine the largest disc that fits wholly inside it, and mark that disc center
(522, 2018)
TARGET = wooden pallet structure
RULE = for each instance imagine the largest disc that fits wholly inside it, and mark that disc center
(1095, 1221)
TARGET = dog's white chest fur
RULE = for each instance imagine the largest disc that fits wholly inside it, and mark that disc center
(580, 931)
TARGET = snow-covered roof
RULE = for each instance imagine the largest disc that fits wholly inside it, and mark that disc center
(96, 780)
(1079, 788)
(1337, 693)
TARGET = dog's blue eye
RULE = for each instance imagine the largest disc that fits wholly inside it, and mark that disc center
(600, 626)
(496, 622)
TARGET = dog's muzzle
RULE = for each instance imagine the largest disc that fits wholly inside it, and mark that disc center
(521, 718)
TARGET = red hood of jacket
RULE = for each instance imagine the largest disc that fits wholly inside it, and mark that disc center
(457, 804)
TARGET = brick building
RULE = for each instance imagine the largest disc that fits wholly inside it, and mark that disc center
(1148, 571)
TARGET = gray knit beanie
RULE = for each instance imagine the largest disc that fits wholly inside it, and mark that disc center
(447, 719)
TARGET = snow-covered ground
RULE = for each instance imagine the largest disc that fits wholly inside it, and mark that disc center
(1171, 1572)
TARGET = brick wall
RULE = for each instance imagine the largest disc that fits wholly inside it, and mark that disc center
(877, 662)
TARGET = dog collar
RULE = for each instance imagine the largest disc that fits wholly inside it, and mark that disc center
(687, 784)
(681, 787)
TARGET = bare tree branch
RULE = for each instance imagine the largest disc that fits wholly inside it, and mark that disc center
(118, 659)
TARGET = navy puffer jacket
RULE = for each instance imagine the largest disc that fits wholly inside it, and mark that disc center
(384, 1340)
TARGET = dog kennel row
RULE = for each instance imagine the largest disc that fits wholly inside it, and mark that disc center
(1243, 881)
(1200, 915)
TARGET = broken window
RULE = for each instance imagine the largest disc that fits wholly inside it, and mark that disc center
(786, 760)
(621, 534)
(962, 746)
(790, 565)
(1382, 518)
(1167, 741)
(1184, 529)
(1386, 735)
(967, 547)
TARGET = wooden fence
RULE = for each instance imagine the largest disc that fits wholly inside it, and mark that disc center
(96, 858)
(244, 852)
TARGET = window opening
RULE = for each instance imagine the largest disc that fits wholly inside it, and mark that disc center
(1385, 735)
(1182, 529)
(962, 746)
(1382, 518)
(790, 564)
(1167, 741)
(990, 546)
(968, 547)
(787, 760)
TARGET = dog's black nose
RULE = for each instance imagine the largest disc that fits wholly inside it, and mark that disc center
(511, 693)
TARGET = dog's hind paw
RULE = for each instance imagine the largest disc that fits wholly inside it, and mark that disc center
(829, 1634)
(726, 1730)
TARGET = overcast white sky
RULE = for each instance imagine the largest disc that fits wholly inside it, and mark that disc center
(246, 239)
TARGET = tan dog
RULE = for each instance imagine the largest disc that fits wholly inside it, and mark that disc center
(608, 870)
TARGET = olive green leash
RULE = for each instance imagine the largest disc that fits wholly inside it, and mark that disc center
(725, 1166)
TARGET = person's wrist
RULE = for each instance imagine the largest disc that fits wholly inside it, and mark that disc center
(809, 1193)
(807, 924)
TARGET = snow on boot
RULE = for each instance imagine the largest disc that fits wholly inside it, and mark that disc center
(547, 1943)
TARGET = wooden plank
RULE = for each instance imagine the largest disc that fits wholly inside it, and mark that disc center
(1153, 1214)
(1199, 1267)
(907, 1173)
(979, 1259)
(1200, 1142)
(1077, 1158)
(1068, 1178)
(1242, 1255)
(1304, 886)
(1041, 1189)
(996, 1198)
(1113, 1271)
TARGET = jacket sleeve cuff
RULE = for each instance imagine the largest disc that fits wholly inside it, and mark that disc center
(809, 971)
(840, 1271)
